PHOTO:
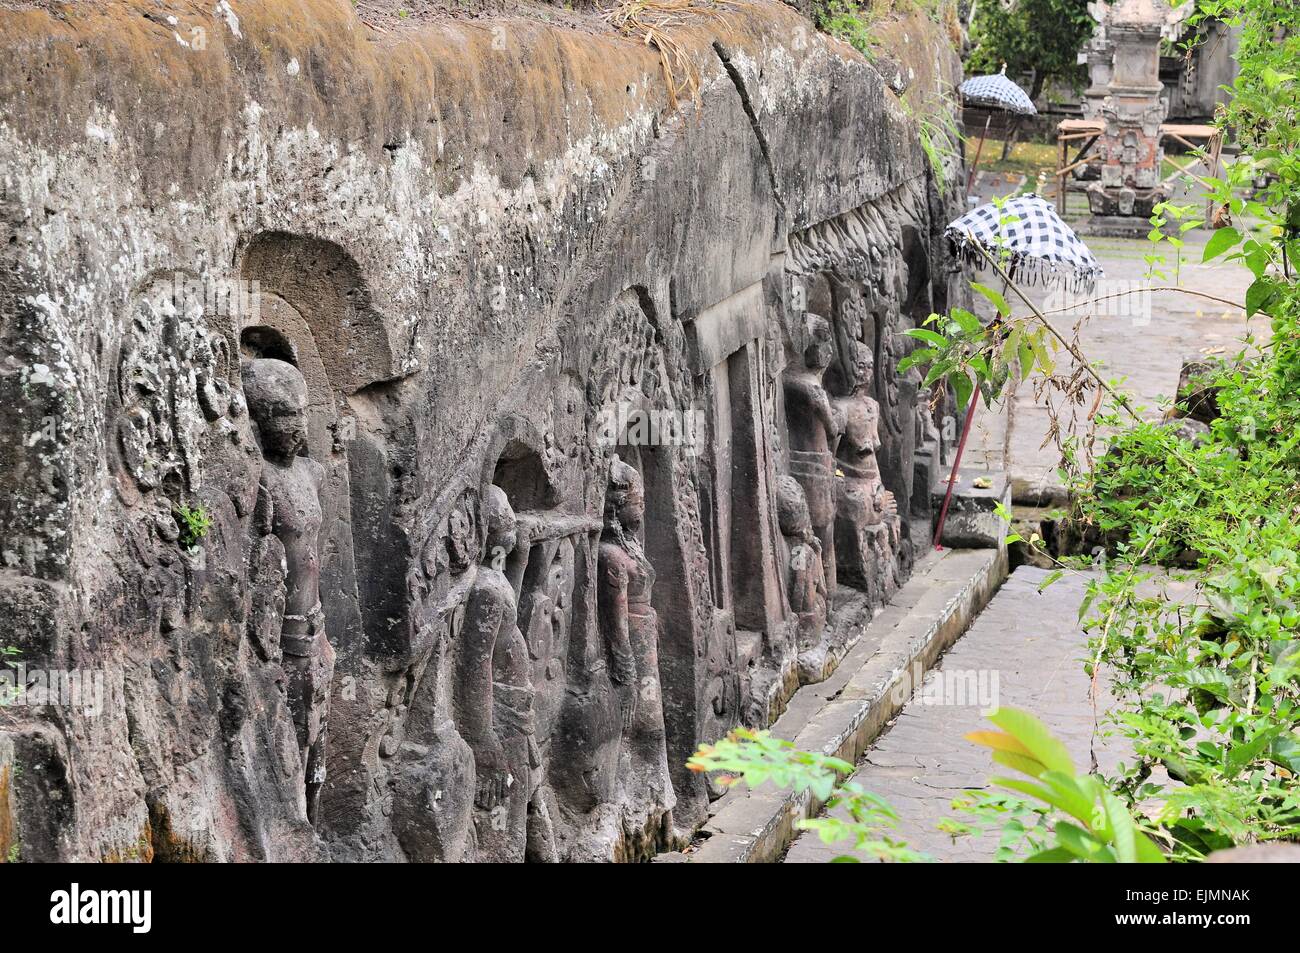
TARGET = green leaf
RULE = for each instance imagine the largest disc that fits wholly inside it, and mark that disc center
(937, 370)
(1053, 855)
(1086, 604)
(928, 336)
(1273, 79)
(967, 321)
(1078, 793)
(1082, 844)
(1240, 756)
(1259, 295)
(1285, 751)
(1035, 736)
(922, 355)
(994, 297)
(1065, 794)
(1045, 363)
(1147, 852)
(962, 387)
(1122, 832)
(1018, 762)
(1220, 242)
(1215, 681)
(1026, 349)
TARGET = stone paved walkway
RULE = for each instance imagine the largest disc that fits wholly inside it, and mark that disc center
(1031, 643)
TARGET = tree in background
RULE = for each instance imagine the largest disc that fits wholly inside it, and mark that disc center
(1039, 36)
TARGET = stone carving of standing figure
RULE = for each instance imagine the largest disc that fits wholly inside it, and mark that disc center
(630, 629)
(806, 587)
(548, 641)
(433, 797)
(815, 424)
(288, 509)
(494, 694)
(867, 524)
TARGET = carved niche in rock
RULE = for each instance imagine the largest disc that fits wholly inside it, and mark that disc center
(286, 525)
(546, 608)
(858, 266)
(541, 569)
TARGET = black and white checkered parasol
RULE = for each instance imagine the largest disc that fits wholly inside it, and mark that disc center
(1029, 239)
(997, 92)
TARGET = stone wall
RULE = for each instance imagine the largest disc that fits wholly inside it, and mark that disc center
(418, 439)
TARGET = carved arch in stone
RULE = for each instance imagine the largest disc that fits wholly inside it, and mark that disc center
(322, 281)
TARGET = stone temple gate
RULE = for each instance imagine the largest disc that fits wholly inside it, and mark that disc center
(534, 433)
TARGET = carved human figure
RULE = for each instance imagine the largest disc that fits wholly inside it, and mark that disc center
(867, 530)
(814, 424)
(806, 586)
(433, 783)
(630, 629)
(548, 607)
(494, 693)
(289, 510)
(548, 624)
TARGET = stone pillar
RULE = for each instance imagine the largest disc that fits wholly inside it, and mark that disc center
(1132, 110)
(1099, 55)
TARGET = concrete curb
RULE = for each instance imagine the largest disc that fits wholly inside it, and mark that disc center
(844, 714)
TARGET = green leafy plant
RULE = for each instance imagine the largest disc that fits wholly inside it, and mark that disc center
(756, 757)
(1023, 829)
(1039, 36)
(1203, 652)
(1088, 822)
(936, 125)
(1169, 223)
(194, 523)
(849, 21)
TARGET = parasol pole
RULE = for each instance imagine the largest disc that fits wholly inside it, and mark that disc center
(961, 447)
(956, 466)
(970, 179)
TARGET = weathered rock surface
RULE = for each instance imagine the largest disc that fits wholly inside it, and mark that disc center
(480, 592)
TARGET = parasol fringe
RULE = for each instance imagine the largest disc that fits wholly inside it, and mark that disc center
(1028, 269)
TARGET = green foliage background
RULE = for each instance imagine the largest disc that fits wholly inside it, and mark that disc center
(1043, 36)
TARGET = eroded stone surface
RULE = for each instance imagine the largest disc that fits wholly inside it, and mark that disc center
(514, 292)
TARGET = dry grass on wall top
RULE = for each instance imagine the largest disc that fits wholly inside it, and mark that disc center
(650, 21)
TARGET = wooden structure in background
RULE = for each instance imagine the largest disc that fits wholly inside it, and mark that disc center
(1205, 143)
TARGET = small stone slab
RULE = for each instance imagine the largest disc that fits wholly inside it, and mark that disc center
(972, 521)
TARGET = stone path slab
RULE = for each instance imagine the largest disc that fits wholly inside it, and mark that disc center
(1025, 650)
